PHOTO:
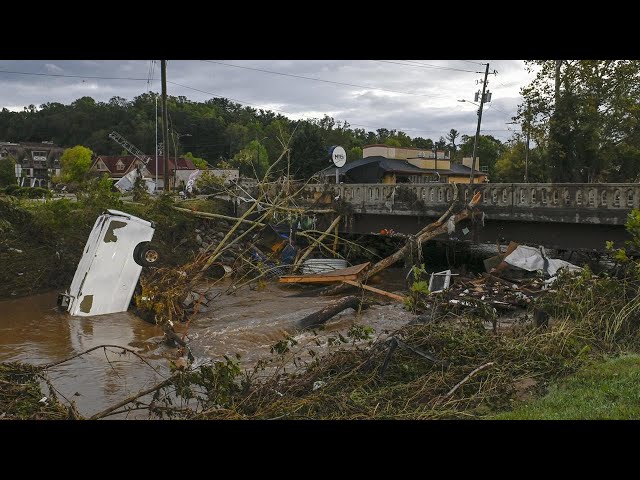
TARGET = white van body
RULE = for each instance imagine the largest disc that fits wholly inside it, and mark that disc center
(107, 273)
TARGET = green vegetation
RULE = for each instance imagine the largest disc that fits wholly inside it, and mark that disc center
(582, 116)
(21, 397)
(200, 163)
(223, 132)
(604, 391)
(75, 163)
(7, 171)
(41, 242)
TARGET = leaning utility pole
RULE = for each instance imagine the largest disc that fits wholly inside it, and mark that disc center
(475, 142)
(165, 124)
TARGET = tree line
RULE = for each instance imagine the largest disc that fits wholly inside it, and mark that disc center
(219, 132)
(581, 117)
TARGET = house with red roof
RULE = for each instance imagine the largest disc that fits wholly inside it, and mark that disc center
(117, 166)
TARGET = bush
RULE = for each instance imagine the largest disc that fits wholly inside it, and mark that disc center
(37, 192)
(11, 189)
(27, 192)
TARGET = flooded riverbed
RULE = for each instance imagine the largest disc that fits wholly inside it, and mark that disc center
(247, 323)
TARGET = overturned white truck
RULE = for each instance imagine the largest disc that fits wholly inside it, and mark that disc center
(108, 272)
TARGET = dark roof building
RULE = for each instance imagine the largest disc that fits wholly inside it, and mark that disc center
(378, 169)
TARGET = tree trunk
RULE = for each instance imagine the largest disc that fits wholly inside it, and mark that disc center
(318, 318)
(425, 234)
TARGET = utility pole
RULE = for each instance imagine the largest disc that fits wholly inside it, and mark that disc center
(165, 124)
(526, 156)
(475, 142)
(435, 153)
(156, 142)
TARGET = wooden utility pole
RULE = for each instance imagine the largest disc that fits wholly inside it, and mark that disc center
(526, 157)
(165, 124)
(435, 156)
(475, 142)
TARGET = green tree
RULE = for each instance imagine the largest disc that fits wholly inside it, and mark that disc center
(488, 150)
(354, 153)
(7, 171)
(510, 166)
(200, 163)
(452, 136)
(420, 142)
(585, 113)
(252, 160)
(75, 163)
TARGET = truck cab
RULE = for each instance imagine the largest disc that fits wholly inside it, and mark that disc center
(112, 260)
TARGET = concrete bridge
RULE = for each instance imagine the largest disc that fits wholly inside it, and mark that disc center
(564, 215)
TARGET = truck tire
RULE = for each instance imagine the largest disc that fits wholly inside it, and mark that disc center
(145, 255)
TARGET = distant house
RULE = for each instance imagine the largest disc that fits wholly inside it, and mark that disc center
(118, 166)
(36, 162)
(385, 164)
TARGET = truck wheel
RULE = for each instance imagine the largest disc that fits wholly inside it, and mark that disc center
(145, 255)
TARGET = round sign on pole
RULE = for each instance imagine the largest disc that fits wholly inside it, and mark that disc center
(338, 156)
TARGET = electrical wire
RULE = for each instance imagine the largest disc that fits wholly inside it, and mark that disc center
(263, 107)
(11, 72)
(426, 65)
(319, 79)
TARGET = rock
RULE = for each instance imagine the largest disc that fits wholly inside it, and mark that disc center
(203, 309)
(210, 295)
(199, 239)
(187, 302)
(220, 235)
(196, 295)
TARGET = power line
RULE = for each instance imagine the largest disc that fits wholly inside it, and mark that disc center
(319, 79)
(493, 107)
(426, 65)
(212, 94)
(471, 61)
(263, 107)
(71, 76)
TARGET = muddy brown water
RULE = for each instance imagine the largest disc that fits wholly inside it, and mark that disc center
(247, 323)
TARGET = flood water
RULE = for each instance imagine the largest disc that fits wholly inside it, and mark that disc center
(247, 323)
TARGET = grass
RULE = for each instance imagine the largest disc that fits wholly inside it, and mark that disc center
(602, 391)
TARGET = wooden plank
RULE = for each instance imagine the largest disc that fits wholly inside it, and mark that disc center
(316, 278)
(399, 298)
(350, 273)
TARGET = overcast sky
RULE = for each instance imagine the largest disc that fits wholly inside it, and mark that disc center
(419, 97)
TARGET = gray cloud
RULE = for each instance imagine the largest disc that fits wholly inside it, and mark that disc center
(431, 111)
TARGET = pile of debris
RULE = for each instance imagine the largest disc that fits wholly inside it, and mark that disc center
(514, 279)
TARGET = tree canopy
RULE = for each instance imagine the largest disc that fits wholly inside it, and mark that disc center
(584, 117)
(7, 171)
(75, 163)
(218, 131)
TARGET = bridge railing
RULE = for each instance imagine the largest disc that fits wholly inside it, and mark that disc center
(610, 196)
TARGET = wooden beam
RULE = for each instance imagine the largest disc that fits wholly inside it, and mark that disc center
(399, 298)
(350, 273)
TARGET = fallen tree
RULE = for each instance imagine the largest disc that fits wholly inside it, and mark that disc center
(318, 318)
(432, 230)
